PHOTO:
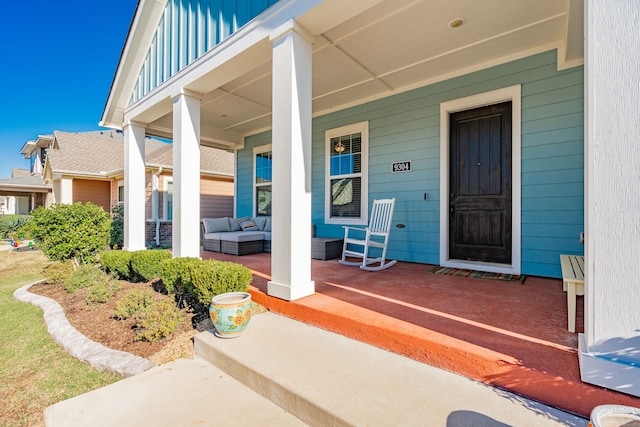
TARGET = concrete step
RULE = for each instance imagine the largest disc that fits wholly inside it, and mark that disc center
(326, 379)
(187, 392)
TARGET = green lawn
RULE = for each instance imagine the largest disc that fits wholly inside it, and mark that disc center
(34, 371)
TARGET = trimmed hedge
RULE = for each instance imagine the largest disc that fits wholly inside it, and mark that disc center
(174, 273)
(144, 265)
(147, 265)
(118, 262)
(210, 278)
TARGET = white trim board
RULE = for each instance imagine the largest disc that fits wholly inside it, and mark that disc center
(513, 94)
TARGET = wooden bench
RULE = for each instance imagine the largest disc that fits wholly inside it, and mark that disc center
(573, 283)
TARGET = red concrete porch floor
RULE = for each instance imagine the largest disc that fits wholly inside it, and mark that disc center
(511, 336)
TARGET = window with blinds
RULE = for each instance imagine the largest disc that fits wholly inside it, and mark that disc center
(263, 167)
(346, 189)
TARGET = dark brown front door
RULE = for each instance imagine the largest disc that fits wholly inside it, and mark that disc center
(480, 184)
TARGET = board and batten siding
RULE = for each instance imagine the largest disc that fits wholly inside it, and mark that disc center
(188, 29)
(406, 126)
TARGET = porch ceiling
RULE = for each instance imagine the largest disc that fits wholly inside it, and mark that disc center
(389, 47)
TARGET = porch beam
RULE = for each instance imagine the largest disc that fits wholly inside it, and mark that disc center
(291, 208)
(134, 188)
(186, 174)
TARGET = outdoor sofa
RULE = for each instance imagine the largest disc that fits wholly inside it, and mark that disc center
(237, 236)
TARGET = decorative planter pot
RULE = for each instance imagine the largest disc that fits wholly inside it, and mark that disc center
(614, 416)
(230, 313)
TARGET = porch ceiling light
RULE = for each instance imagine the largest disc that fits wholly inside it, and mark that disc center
(457, 22)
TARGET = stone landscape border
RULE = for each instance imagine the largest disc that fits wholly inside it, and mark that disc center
(78, 345)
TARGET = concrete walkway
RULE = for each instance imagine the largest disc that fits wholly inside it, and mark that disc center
(284, 372)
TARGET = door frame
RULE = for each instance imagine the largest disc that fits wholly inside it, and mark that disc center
(513, 94)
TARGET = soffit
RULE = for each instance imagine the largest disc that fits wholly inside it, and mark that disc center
(380, 49)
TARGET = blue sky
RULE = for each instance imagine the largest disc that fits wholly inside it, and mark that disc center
(58, 62)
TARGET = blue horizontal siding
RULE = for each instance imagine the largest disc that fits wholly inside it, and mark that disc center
(406, 126)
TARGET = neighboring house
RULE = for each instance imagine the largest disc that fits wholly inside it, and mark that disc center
(89, 167)
(23, 192)
(480, 119)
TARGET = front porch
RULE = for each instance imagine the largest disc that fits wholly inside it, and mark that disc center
(507, 335)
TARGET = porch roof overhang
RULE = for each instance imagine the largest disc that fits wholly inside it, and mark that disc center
(22, 190)
(363, 50)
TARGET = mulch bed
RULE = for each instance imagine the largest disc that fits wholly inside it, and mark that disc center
(96, 321)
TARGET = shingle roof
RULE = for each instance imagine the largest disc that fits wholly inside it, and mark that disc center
(212, 160)
(102, 153)
(35, 180)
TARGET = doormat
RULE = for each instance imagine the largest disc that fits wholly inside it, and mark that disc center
(472, 274)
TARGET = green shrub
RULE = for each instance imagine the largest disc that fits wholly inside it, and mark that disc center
(210, 278)
(132, 302)
(85, 276)
(159, 320)
(118, 262)
(102, 293)
(146, 265)
(174, 273)
(59, 273)
(116, 232)
(71, 232)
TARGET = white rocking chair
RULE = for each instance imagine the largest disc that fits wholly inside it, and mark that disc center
(379, 227)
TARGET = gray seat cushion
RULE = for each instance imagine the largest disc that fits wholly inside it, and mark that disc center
(215, 225)
(241, 236)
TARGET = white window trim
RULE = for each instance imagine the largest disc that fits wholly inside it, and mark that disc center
(363, 129)
(513, 94)
(165, 200)
(256, 151)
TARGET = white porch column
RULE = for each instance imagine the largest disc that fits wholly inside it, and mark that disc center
(134, 187)
(610, 347)
(186, 174)
(291, 208)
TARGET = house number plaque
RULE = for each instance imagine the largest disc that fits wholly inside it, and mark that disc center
(401, 166)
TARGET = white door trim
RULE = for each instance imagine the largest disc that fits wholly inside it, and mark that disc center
(513, 94)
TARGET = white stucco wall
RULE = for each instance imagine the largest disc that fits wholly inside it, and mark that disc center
(612, 132)
(65, 191)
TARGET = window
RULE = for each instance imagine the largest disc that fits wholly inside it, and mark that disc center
(262, 167)
(346, 166)
(120, 193)
(167, 197)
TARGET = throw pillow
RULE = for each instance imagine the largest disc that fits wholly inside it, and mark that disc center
(249, 226)
(234, 223)
(260, 221)
(267, 225)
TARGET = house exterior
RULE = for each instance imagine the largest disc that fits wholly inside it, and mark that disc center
(500, 128)
(89, 167)
(23, 192)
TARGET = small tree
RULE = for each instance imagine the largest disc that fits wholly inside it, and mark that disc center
(71, 232)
